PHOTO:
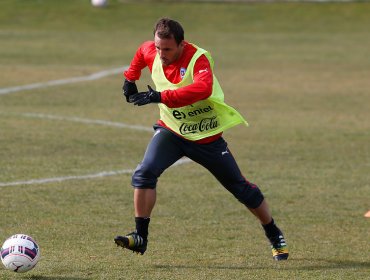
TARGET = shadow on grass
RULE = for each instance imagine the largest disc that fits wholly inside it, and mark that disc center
(331, 264)
(294, 264)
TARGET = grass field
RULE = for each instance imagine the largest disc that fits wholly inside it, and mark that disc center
(298, 72)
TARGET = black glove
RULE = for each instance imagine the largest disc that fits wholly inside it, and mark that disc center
(129, 88)
(146, 97)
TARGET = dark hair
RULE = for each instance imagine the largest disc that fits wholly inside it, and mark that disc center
(167, 28)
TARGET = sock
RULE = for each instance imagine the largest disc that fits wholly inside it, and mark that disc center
(142, 225)
(271, 230)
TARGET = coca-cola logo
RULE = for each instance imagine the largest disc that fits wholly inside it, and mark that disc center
(204, 125)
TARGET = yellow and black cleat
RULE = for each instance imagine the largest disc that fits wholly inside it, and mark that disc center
(279, 249)
(133, 242)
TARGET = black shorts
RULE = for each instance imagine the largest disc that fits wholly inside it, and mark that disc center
(165, 148)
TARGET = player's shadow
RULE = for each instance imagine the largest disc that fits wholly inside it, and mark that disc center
(330, 264)
(318, 264)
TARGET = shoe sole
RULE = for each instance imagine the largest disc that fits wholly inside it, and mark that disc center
(281, 257)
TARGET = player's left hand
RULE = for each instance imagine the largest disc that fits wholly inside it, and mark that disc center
(146, 97)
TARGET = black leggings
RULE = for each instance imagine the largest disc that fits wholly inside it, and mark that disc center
(165, 148)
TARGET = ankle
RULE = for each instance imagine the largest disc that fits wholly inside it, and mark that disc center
(142, 226)
(271, 230)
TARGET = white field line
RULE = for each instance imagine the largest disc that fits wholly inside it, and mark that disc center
(61, 179)
(81, 177)
(87, 121)
(91, 77)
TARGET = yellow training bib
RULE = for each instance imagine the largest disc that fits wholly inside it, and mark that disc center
(202, 119)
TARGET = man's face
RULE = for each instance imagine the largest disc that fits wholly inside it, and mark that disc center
(168, 49)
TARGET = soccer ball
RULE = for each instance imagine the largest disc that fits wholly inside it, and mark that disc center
(99, 3)
(20, 253)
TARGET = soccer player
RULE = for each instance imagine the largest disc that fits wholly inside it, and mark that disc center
(193, 116)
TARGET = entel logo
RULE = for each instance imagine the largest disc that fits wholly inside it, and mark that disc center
(181, 115)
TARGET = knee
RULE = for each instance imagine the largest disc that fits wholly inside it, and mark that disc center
(249, 194)
(145, 177)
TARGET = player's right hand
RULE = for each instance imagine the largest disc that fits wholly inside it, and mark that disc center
(129, 88)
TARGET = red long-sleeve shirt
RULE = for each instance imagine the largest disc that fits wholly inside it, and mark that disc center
(200, 89)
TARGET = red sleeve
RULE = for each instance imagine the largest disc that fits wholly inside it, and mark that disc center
(200, 89)
(143, 57)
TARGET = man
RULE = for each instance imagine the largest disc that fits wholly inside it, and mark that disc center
(193, 116)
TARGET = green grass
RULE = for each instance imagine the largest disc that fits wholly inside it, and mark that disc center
(298, 72)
